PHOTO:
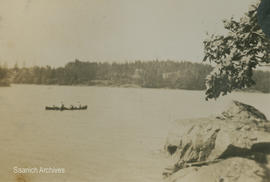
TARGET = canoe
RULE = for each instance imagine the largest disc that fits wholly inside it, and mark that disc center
(54, 108)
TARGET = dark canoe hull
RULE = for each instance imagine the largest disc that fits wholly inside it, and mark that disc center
(65, 108)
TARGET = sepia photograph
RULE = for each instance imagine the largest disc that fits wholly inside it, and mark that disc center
(134, 91)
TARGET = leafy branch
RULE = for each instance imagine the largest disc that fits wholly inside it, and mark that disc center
(236, 54)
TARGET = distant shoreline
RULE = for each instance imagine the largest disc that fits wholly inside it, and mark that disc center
(151, 74)
(133, 86)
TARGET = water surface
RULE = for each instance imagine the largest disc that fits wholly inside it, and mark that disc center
(118, 139)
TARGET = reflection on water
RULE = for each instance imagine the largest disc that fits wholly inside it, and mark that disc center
(117, 139)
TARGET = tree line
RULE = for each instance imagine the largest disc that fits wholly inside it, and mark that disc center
(147, 74)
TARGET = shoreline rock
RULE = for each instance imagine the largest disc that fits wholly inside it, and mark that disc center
(197, 146)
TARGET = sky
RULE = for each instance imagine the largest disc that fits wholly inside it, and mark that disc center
(54, 32)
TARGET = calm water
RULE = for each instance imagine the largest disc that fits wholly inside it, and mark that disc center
(118, 139)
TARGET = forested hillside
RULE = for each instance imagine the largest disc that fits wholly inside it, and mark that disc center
(148, 74)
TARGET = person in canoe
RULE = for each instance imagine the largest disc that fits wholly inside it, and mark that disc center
(62, 106)
(71, 107)
(80, 106)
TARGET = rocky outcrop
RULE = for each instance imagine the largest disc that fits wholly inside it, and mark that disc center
(233, 146)
(229, 170)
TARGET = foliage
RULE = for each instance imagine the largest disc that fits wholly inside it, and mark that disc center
(236, 54)
(4, 77)
(149, 74)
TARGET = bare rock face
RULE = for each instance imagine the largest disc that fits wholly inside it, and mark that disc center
(243, 112)
(229, 170)
(239, 135)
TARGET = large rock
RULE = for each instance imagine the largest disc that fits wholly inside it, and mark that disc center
(229, 170)
(241, 132)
